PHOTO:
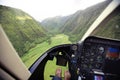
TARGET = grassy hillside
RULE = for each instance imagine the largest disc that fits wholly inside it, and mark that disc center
(23, 31)
(53, 25)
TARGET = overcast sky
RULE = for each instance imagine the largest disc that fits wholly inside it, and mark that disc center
(41, 9)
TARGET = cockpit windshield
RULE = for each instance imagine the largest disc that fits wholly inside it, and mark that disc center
(32, 34)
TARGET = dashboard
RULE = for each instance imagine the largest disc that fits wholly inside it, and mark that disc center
(100, 55)
(93, 59)
(96, 51)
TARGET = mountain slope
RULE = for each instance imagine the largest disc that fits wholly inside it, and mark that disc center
(75, 25)
(23, 31)
(78, 24)
(54, 24)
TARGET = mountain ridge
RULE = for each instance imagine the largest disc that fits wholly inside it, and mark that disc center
(23, 30)
(54, 24)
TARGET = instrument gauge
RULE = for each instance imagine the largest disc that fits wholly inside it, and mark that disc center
(101, 50)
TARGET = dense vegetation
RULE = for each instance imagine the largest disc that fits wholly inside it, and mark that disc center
(77, 24)
(23, 31)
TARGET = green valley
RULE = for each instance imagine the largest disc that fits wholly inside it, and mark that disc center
(29, 38)
(76, 25)
(37, 51)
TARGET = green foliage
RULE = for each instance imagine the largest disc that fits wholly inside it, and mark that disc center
(23, 31)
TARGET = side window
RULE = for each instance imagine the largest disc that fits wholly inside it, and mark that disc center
(111, 27)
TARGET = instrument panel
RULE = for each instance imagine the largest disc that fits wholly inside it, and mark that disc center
(96, 51)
